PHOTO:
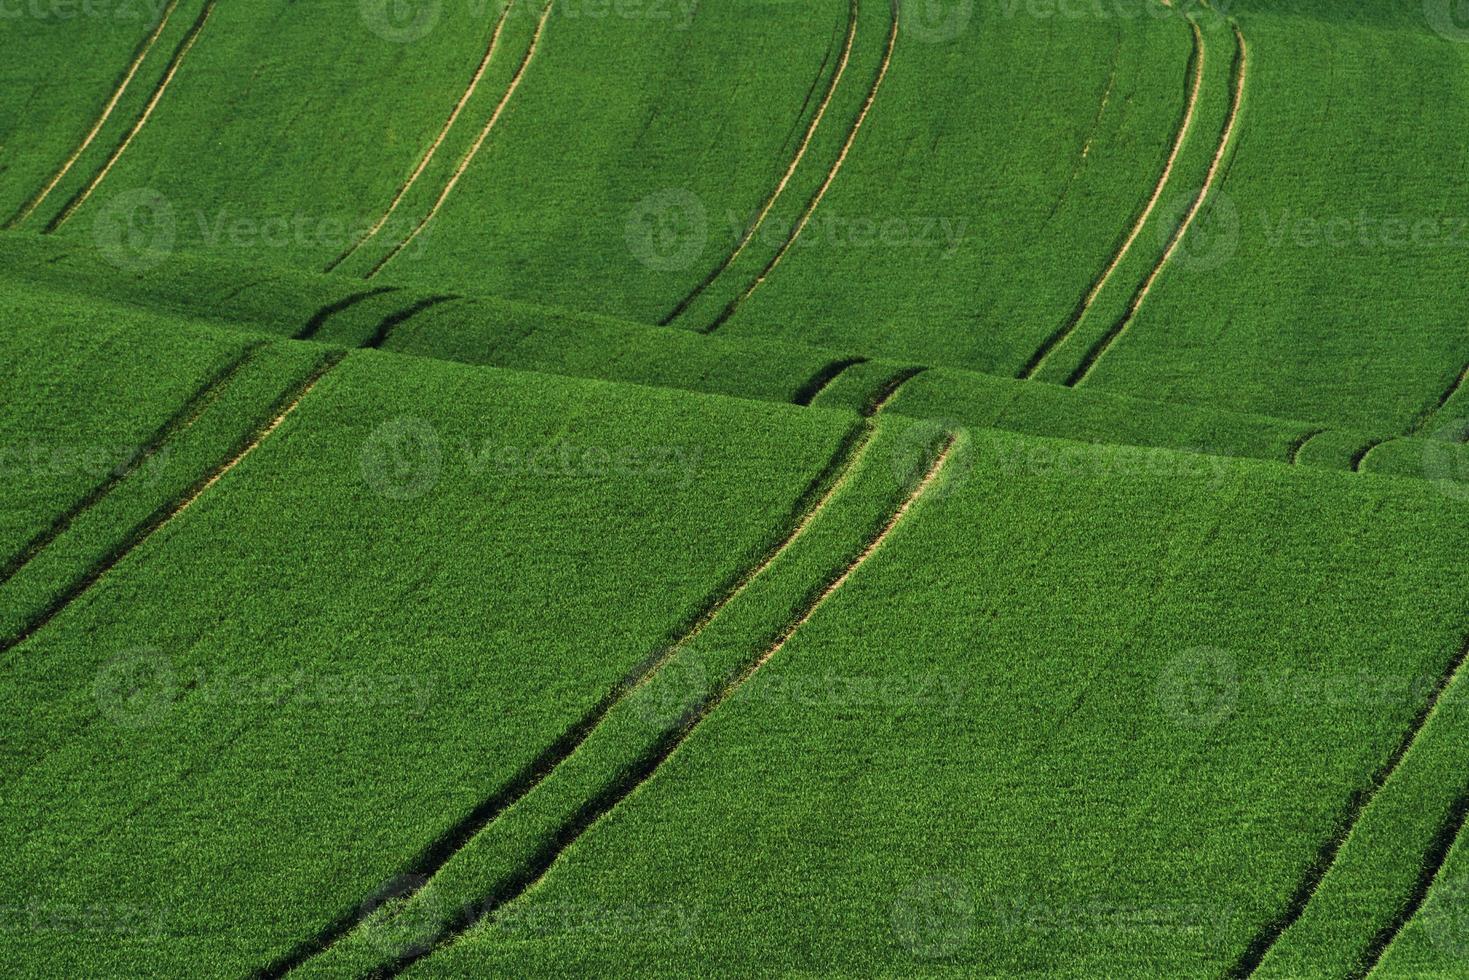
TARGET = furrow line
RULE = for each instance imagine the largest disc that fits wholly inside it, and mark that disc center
(632, 779)
(389, 324)
(812, 502)
(187, 414)
(785, 179)
(323, 315)
(127, 79)
(831, 177)
(1226, 139)
(468, 158)
(179, 55)
(1450, 392)
(1357, 803)
(1194, 72)
(824, 378)
(165, 514)
(1433, 861)
(1293, 455)
(433, 149)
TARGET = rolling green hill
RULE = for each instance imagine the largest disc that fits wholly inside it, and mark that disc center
(662, 487)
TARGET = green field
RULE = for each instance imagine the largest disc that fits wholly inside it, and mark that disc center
(775, 487)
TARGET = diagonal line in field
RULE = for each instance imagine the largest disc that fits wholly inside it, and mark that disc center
(433, 149)
(184, 48)
(117, 94)
(188, 413)
(1226, 139)
(1357, 803)
(630, 780)
(165, 514)
(1195, 74)
(753, 228)
(1293, 454)
(824, 378)
(468, 158)
(427, 863)
(831, 176)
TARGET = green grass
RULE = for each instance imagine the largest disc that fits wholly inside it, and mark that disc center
(830, 487)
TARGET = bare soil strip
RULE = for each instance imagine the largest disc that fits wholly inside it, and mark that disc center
(1226, 139)
(117, 94)
(473, 150)
(1185, 125)
(785, 179)
(1357, 803)
(433, 149)
(831, 176)
(625, 783)
(178, 58)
